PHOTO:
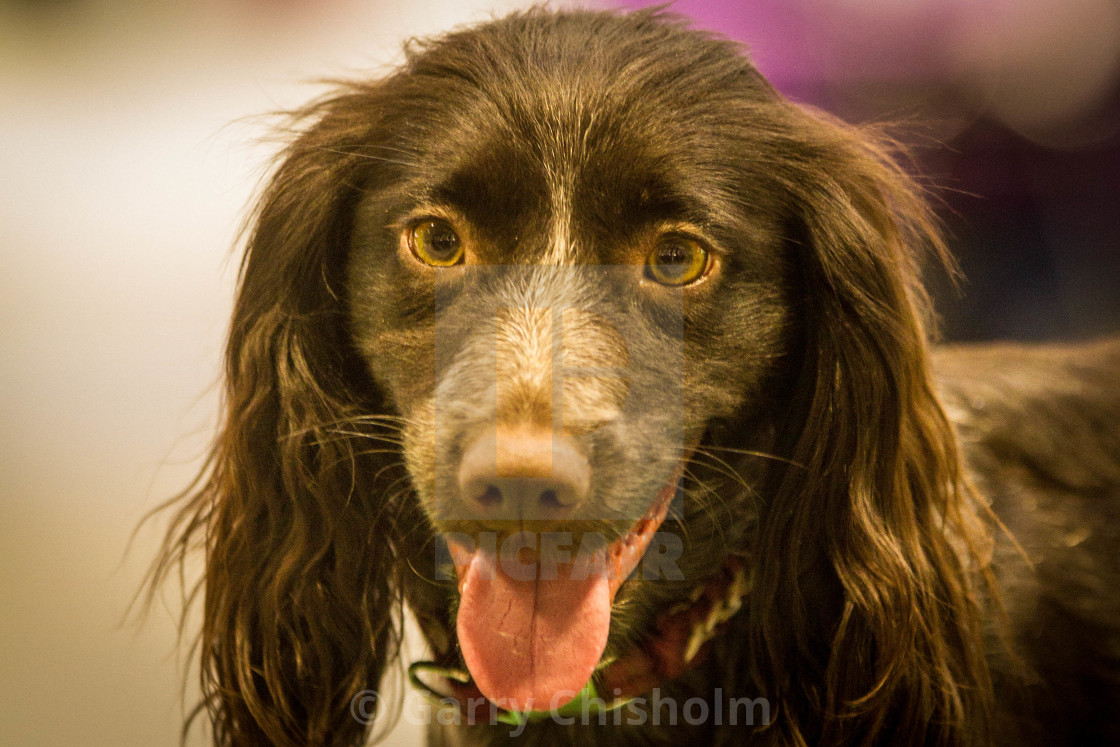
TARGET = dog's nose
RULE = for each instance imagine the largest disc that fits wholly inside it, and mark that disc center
(523, 473)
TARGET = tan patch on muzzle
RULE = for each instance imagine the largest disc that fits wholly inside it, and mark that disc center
(564, 359)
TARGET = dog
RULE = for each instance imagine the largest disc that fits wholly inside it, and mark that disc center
(580, 295)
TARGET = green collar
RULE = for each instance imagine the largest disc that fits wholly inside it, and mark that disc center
(460, 687)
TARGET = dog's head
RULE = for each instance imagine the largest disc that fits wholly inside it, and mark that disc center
(558, 286)
(498, 306)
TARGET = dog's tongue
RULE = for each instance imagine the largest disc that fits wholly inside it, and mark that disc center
(531, 644)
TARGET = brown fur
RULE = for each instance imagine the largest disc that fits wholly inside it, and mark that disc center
(826, 458)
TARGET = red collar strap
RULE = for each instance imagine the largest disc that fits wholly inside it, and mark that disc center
(679, 644)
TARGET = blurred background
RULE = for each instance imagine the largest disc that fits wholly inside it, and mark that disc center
(130, 147)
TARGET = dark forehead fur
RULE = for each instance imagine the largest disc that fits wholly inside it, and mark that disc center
(537, 71)
(623, 119)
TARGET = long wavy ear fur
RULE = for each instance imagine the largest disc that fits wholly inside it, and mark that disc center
(880, 488)
(293, 513)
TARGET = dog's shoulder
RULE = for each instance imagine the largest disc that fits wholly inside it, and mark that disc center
(1049, 411)
(1039, 426)
(1040, 430)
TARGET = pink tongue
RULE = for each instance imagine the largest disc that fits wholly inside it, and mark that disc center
(531, 644)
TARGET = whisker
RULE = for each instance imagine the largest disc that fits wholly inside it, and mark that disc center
(402, 151)
(720, 466)
(708, 506)
(379, 159)
(395, 440)
(751, 452)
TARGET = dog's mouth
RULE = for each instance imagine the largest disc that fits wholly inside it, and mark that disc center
(533, 629)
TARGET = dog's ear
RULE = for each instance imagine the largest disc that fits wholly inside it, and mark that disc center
(300, 613)
(879, 484)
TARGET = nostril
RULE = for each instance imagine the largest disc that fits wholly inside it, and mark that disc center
(549, 499)
(525, 473)
(491, 497)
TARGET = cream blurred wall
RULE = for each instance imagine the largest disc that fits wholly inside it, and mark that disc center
(125, 165)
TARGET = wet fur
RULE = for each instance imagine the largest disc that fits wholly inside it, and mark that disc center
(888, 605)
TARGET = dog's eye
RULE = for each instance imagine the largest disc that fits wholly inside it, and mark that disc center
(435, 243)
(677, 260)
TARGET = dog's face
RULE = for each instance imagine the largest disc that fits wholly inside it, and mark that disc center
(570, 272)
(555, 267)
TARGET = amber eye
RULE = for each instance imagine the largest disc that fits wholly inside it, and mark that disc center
(435, 243)
(677, 260)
